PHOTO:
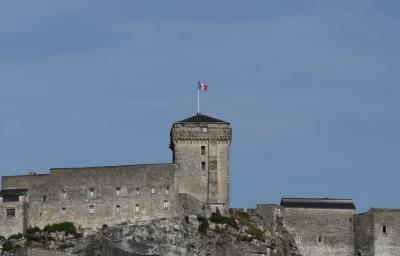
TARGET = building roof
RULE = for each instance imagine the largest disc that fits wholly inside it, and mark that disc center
(12, 192)
(319, 203)
(200, 118)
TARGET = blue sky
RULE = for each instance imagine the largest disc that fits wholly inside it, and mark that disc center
(311, 89)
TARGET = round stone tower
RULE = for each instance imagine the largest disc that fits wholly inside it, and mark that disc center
(200, 145)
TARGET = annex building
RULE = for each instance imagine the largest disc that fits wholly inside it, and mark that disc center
(196, 182)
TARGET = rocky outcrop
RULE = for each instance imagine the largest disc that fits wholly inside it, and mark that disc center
(189, 236)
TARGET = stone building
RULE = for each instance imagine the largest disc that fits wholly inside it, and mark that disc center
(197, 179)
(320, 226)
(377, 232)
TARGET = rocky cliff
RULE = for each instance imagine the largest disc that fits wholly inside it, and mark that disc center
(235, 234)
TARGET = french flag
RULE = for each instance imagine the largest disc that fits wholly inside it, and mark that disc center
(202, 86)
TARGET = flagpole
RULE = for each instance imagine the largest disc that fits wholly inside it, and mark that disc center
(198, 101)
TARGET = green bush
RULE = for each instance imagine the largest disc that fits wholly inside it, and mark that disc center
(15, 236)
(218, 218)
(32, 230)
(67, 227)
(203, 227)
(245, 238)
(39, 238)
(104, 226)
(245, 220)
(8, 246)
(256, 232)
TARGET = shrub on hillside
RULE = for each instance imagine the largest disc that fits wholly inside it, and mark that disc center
(67, 227)
(32, 230)
(15, 236)
(203, 227)
(218, 218)
(245, 220)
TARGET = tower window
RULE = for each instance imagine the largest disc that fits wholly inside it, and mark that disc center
(137, 208)
(63, 211)
(319, 239)
(137, 191)
(118, 191)
(91, 192)
(203, 166)
(153, 191)
(166, 204)
(10, 212)
(118, 208)
(91, 209)
(44, 198)
(203, 150)
(384, 229)
(64, 194)
(167, 190)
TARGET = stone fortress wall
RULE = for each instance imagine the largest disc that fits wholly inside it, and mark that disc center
(321, 231)
(377, 232)
(196, 182)
(16, 205)
(91, 197)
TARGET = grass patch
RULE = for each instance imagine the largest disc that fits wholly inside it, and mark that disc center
(245, 220)
(218, 218)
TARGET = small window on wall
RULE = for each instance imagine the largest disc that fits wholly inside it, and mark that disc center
(153, 191)
(203, 166)
(384, 229)
(10, 212)
(10, 199)
(91, 209)
(137, 191)
(44, 198)
(166, 204)
(91, 192)
(167, 190)
(319, 239)
(64, 194)
(137, 208)
(118, 208)
(118, 191)
(63, 211)
(203, 150)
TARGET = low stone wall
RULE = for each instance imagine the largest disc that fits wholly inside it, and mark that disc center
(38, 252)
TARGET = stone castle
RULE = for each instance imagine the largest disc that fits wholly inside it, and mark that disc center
(196, 182)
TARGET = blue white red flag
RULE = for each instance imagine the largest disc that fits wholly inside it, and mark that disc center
(202, 86)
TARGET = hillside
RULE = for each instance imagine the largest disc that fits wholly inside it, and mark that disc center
(235, 234)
